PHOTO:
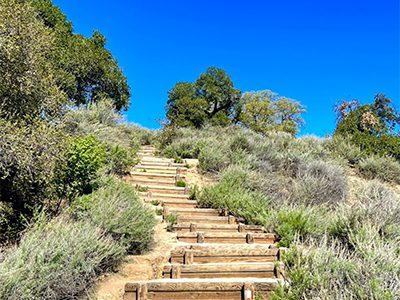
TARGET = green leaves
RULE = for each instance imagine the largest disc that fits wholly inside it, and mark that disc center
(211, 99)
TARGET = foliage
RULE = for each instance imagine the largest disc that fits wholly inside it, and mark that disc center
(211, 99)
(28, 88)
(57, 259)
(83, 160)
(29, 154)
(383, 168)
(265, 111)
(372, 127)
(116, 208)
(85, 70)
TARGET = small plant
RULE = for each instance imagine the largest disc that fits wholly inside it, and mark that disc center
(178, 160)
(194, 192)
(155, 202)
(180, 183)
(171, 219)
(140, 188)
(159, 211)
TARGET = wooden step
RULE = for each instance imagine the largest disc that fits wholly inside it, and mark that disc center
(177, 203)
(216, 253)
(200, 289)
(160, 168)
(147, 163)
(192, 212)
(207, 220)
(192, 227)
(165, 189)
(160, 196)
(146, 182)
(155, 175)
(155, 171)
(226, 237)
(224, 270)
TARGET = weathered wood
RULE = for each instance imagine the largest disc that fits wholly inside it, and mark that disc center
(208, 253)
(210, 289)
(229, 237)
(185, 227)
(221, 270)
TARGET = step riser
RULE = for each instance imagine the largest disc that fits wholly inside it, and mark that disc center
(182, 219)
(155, 171)
(172, 205)
(225, 240)
(199, 290)
(216, 229)
(222, 259)
(167, 191)
(194, 213)
(147, 182)
(247, 274)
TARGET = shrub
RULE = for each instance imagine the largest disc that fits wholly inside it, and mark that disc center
(291, 223)
(325, 269)
(344, 148)
(231, 193)
(180, 183)
(318, 182)
(383, 168)
(119, 160)
(57, 260)
(212, 159)
(29, 154)
(116, 208)
(84, 158)
(375, 206)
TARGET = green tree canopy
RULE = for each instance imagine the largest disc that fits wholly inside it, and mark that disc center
(373, 127)
(265, 111)
(86, 70)
(28, 85)
(211, 99)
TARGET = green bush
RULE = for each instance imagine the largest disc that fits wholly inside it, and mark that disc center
(318, 182)
(383, 168)
(57, 260)
(231, 193)
(291, 223)
(116, 208)
(119, 160)
(84, 158)
(29, 156)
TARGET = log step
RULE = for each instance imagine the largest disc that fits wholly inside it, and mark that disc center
(224, 270)
(145, 181)
(206, 219)
(165, 189)
(190, 227)
(174, 203)
(214, 253)
(155, 171)
(189, 212)
(203, 289)
(160, 168)
(147, 163)
(229, 238)
(160, 176)
(160, 196)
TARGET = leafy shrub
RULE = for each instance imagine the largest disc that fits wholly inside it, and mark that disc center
(291, 223)
(57, 260)
(116, 208)
(318, 182)
(231, 193)
(383, 168)
(180, 183)
(344, 148)
(375, 206)
(29, 154)
(212, 159)
(84, 158)
(119, 160)
(327, 270)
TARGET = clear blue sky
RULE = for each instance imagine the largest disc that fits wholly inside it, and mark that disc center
(317, 52)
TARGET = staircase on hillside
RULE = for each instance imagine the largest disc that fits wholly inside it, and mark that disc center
(216, 256)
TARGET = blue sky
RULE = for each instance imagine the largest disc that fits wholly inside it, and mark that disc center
(317, 52)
